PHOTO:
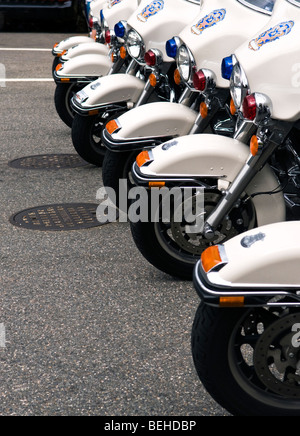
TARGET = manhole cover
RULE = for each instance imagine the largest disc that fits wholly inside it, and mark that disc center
(55, 217)
(48, 161)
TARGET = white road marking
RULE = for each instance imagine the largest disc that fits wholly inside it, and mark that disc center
(25, 49)
(28, 80)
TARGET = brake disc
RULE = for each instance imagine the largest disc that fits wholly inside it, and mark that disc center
(277, 357)
(195, 243)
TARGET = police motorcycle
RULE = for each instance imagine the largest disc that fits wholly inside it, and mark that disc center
(246, 331)
(222, 25)
(85, 63)
(146, 32)
(92, 12)
(247, 181)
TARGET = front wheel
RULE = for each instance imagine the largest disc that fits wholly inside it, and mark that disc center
(117, 167)
(170, 245)
(86, 137)
(62, 99)
(246, 359)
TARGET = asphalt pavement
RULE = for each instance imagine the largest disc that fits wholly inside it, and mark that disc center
(90, 327)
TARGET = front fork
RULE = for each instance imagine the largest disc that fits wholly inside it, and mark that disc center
(253, 165)
(216, 102)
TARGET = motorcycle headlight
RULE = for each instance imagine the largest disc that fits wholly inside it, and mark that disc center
(135, 45)
(185, 63)
(239, 87)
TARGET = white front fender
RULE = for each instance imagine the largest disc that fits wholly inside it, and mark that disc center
(221, 158)
(68, 43)
(110, 89)
(85, 66)
(84, 49)
(267, 256)
(159, 119)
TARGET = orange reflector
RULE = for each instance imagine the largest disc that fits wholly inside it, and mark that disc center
(177, 78)
(210, 258)
(142, 158)
(123, 52)
(254, 145)
(152, 80)
(55, 45)
(232, 301)
(64, 79)
(112, 126)
(232, 107)
(203, 110)
(58, 67)
(94, 112)
(157, 184)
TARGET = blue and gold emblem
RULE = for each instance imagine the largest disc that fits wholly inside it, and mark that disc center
(113, 3)
(271, 35)
(209, 20)
(152, 9)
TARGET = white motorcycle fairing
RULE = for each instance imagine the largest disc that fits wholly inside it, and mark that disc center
(204, 156)
(84, 66)
(103, 92)
(208, 49)
(113, 13)
(157, 27)
(138, 125)
(257, 265)
(85, 48)
(270, 60)
(68, 43)
(209, 44)
(155, 31)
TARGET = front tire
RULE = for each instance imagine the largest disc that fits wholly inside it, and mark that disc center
(226, 347)
(62, 99)
(86, 137)
(116, 167)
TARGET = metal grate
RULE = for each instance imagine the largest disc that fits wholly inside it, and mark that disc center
(48, 162)
(58, 217)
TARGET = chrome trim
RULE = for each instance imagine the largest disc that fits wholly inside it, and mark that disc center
(295, 2)
(264, 107)
(255, 8)
(192, 66)
(267, 292)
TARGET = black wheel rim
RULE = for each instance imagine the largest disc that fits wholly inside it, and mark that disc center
(257, 354)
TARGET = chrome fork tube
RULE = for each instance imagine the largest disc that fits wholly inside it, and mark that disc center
(238, 186)
(147, 91)
(132, 68)
(186, 97)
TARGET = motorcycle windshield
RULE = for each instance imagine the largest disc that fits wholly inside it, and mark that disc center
(265, 6)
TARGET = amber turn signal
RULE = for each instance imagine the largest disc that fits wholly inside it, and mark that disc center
(210, 258)
(112, 126)
(203, 110)
(156, 184)
(153, 80)
(58, 67)
(232, 301)
(254, 145)
(142, 158)
(177, 78)
(123, 52)
(232, 107)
